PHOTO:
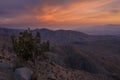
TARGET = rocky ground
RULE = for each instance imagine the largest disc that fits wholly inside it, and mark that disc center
(6, 74)
(51, 71)
(47, 70)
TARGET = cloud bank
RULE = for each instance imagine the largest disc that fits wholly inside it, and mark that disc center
(59, 12)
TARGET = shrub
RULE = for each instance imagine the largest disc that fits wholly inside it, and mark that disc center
(29, 47)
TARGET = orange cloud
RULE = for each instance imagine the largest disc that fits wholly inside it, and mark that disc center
(76, 13)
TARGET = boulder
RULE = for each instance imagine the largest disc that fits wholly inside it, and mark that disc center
(23, 74)
(4, 65)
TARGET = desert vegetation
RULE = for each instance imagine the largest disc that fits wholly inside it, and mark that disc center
(29, 47)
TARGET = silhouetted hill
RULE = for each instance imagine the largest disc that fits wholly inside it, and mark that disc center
(62, 36)
(8, 31)
(58, 36)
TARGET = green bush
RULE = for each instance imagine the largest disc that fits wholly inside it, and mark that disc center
(29, 47)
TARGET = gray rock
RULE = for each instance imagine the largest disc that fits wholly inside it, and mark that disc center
(23, 74)
(4, 65)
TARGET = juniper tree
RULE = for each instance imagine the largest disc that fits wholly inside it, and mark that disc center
(29, 47)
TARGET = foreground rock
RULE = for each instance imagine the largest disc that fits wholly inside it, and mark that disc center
(6, 72)
(23, 74)
(4, 65)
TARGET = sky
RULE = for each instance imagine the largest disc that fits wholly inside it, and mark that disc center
(58, 13)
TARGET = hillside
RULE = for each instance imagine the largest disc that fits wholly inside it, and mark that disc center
(75, 55)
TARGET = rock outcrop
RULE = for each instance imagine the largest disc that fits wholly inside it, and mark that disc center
(23, 74)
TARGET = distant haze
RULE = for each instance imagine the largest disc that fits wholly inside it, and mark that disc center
(101, 30)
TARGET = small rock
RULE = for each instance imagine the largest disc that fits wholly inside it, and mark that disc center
(23, 74)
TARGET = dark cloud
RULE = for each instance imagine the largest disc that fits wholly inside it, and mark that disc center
(10, 8)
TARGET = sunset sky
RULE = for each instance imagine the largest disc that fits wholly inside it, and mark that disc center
(39, 13)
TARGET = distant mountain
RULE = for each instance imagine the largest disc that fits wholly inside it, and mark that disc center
(62, 36)
(66, 36)
(8, 31)
(109, 29)
(58, 36)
